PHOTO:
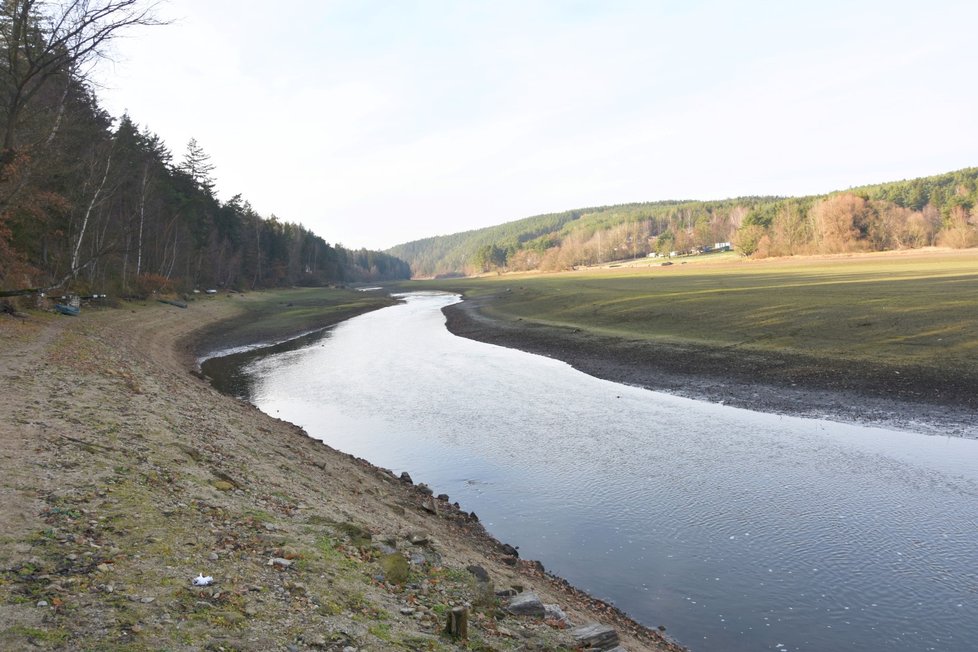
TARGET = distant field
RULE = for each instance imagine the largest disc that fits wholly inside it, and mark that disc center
(918, 307)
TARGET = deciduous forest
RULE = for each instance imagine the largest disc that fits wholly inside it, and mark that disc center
(96, 204)
(939, 210)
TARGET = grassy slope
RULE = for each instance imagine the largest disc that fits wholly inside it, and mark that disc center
(914, 308)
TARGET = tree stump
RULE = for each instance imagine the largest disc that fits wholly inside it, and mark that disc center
(458, 623)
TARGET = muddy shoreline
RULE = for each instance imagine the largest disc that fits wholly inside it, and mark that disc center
(922, 400)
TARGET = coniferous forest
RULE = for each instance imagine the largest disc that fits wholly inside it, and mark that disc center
(90, 203)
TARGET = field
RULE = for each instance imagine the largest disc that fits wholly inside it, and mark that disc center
(918, 308)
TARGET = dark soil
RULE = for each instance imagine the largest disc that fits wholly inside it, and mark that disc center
(920, 399)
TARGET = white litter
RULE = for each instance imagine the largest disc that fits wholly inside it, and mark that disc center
(200, 580)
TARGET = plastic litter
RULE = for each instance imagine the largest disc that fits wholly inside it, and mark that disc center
(201, 580)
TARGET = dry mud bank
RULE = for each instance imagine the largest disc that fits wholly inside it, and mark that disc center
(125, 476)
(934, 401)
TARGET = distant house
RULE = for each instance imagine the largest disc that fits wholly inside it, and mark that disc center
(722, 246)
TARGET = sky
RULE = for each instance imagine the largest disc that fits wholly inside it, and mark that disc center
(375, 123)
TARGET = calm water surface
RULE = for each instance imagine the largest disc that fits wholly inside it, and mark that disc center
(736, 530)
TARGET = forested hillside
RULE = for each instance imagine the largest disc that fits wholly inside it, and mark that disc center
(92, 203)
(938, 210)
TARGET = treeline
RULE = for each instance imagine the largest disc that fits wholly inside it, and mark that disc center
(93, 204)
(940, 210)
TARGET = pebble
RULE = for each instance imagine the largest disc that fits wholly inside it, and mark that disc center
(213, 556)
(42, 603)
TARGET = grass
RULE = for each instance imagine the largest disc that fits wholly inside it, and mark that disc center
(915, 308)
(272, 314)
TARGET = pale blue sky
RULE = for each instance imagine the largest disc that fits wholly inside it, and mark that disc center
(375, 123)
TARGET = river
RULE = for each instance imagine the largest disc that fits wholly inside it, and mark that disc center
(737, 530)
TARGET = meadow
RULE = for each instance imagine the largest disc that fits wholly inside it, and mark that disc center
(916, 308)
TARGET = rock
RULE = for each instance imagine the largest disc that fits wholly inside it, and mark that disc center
(223, 485)
(509, 561)
(555, 613)
(42, 603)
(104, 568)
(418, 539)
(406, 478)
(406, 611)
(213, 556)
(279, 562)
(506, 593)
(147, 600)
(596, 637)
(510, 550)
(425, 489)
(526, 604)
(443, 497)
(429, 506)
(479, 572)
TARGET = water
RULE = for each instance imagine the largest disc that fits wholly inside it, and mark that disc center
(737, 530)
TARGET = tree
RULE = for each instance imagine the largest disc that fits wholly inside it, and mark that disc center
(197, 165)
(44, 42)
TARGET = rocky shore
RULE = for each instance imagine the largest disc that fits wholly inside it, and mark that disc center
(933, 401)
(144, 510)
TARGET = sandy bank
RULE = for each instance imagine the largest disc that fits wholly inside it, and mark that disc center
(125, 476)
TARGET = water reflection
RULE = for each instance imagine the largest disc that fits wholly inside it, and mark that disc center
(738, 530)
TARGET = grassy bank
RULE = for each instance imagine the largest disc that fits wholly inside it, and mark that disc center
(271, 315)
(915, 308)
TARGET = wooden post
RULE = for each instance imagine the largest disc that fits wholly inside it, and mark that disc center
(458, 623)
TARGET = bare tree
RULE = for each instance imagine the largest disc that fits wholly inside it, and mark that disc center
(41, 41)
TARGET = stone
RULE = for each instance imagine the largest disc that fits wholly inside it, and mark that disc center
(406, 611)
(443, 497)
(418, 539)
(429, 506)
(279, 562)
(406, 478)
(526, 604)
(425, 489)
(42, 603)
(555, 613)
(596, 637)
(510, 550)
(479, 572)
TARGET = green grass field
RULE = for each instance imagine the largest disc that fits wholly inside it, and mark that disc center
(917, 308)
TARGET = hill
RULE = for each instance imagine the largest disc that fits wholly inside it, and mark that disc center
(906, 214)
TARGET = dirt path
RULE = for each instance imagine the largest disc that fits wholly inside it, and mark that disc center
(124, 476)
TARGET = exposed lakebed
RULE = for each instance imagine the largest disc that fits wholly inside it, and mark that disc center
(738, 530)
